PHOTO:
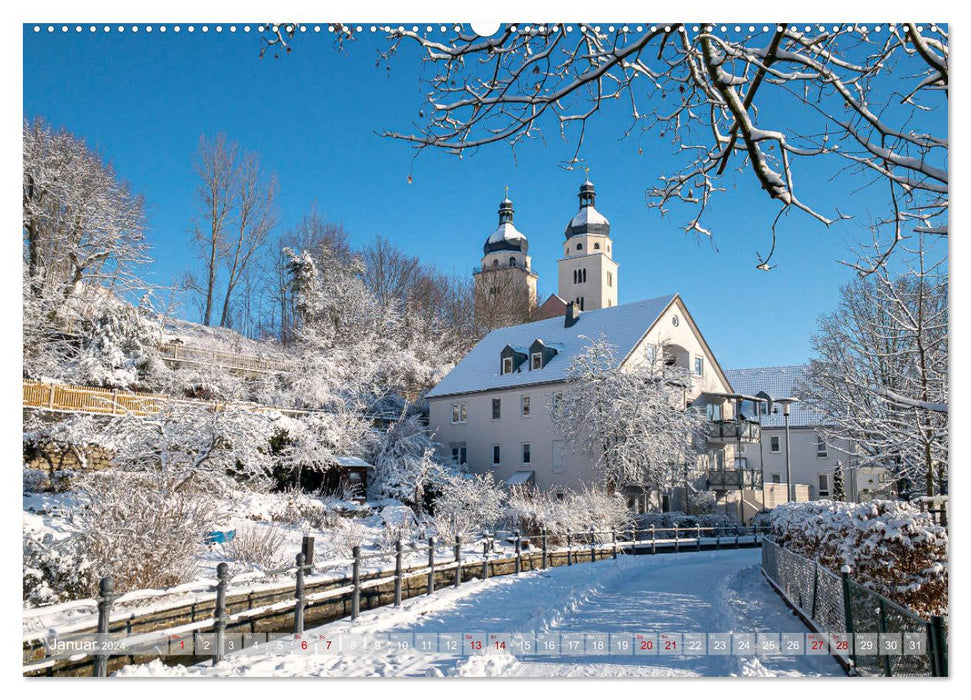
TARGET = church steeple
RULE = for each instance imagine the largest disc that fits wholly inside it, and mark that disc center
(588, 273)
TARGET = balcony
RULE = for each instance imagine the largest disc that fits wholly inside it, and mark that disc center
(725, 479)
(740, 430)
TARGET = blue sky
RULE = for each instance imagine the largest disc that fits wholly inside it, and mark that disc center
(143, 100)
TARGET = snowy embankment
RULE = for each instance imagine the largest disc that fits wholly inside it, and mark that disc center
(688, 592)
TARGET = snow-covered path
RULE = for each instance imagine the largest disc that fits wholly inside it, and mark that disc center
(691, 592)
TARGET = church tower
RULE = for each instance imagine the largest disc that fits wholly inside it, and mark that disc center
(505, 285)
(587, 271)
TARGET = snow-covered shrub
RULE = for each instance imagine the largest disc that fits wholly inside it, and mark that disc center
(40, 480)
(140, 532)
(262, 548)
(405, 467)
(120, 348)
(467, 504)
(54, 571)
(891, 546)
(530, 511)
(302, 509)
(399, 523)
(347, 534)
(681, 519)
(702, 502)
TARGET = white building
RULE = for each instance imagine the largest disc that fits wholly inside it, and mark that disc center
(812, 460)
(491, 412)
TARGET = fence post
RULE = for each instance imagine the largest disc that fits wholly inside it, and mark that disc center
(887, 670)
(613, 539)
(593, 546)
(698, 538)
(519, 553)
(815, 588)
(431, 565)
(677, 539)
(653, 540)
(485, 560)
(848, 607)
(222, 574)
(736, 535)
(938, 646)
(307, 547)
(458, 560)
(397, 572)
(107, 595)
(356, 582)
(569, 548)
(633, 539)
(545, 550)
(718, 537)
(298, 594)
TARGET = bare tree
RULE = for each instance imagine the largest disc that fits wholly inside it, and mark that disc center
(389, 272)
(880, 376)
(868, 100)
(216, 166)
(254, 218)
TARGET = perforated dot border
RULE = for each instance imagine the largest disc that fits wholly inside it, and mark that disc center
(350, 29)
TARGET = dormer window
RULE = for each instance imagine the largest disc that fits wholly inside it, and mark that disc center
(507, 365)
(540, 354)
(536, 361)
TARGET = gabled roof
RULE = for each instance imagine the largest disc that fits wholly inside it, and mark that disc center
(778, 383)
(624, 326)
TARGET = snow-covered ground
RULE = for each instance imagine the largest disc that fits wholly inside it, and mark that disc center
(689, 592)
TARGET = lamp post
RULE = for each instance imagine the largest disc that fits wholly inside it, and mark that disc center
(786, 403)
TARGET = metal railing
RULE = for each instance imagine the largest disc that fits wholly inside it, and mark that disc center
(735, 429)
(871, 634)
(735, 478)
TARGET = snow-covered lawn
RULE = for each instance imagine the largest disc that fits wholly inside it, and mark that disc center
(690, 592)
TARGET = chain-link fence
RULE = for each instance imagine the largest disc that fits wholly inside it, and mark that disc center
(870, 632)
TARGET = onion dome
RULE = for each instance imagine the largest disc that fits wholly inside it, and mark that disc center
(506, 236)
(588, 220)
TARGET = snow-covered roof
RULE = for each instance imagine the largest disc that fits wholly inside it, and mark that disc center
(778, 383)
(506, 234)
(588, 215)
(350, 461)
(623, 326)
(520, 478)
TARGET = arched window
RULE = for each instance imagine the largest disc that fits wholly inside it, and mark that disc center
(574, 277)
(495, 263)
(596, 246)
(566, 251)
(583, 275)
(581, 303)
(579, 246)
(512, 262)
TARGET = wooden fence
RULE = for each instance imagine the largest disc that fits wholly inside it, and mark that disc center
(190, 354)
(86, 399)
(303, 603)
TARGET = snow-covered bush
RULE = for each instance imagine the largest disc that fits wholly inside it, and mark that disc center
(54, 571)
(531, 511)
(467, 504)
(680, 519)
(262, 548)
(120, 348)
(405, 467)
(399, 523)
(40, 480)
(702, 502)
(347, 534)
(891, 546)
(302, 509)
(141, 533)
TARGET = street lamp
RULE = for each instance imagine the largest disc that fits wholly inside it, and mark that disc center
(786, 403)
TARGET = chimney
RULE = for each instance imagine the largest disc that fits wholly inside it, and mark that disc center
(572, 315)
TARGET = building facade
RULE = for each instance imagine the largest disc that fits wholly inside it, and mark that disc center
(491, 412)
(812, 458)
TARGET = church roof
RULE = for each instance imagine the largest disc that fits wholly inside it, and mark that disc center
(624, 326)
(588, 219)
(506, 236)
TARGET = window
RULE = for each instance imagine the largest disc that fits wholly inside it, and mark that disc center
(699, 366)
(536, 361)
(526, 454)
(495, 263)
(459, 453)
(741, 463)
(512, 262)
(610, 279)
(459, 412)
(525, 406)
(774, 443)
(496, 454)
(713, 411)
(823, 485)
(507, 365)
(741, 448)
(821, 450)
(566, 251)
(579, 246)
(776, 478)
(596, 246)
(496, 409)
